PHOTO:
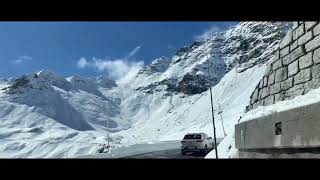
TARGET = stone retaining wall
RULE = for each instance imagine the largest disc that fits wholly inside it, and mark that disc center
(294, 69)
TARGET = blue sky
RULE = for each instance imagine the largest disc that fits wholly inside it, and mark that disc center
(93, 48)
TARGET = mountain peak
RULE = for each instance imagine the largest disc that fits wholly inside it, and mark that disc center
(158, 65)
(105, 81)
(25, 82)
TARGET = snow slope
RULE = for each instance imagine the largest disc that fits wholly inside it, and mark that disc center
(46, 115)
(167, 104)
(77, 103)
(38, 119)
(172, 117)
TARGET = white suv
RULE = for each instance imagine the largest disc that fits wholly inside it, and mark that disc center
(196, 142)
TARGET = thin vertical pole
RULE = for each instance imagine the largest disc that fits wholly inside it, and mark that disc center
(214, 126)
(108, 135)
(220, 112)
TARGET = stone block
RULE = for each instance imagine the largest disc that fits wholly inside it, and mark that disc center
(309, 24)
(275, 88)
(316, 30)
(285, 85)
(316, 56)
(295, 24)
(295, 54)
(293, 68)
(281, 74)
(294, 45)
(302, 76)
(298, 32)
(261, 84)
(269, 100)
(254, 97)
(271, 79)
(265, 81)
(305, 38)
(305, 61)
(313, 44)
(315, 71)
(284, 51)
(259, 94)
(278, 97)
(260, 103)
(277, 64)
(265, 92)
(293, 92)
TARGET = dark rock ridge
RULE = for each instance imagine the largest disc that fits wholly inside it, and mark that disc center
(243, 46)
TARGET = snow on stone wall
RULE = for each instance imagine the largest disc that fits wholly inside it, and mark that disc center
(294, 69)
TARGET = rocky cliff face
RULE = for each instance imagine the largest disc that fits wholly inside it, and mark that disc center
(252, 43)
(194, 68)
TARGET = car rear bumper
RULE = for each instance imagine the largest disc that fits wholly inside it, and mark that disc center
(191, 150)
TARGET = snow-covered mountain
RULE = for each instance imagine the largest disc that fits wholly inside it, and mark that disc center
(163, 101)
(44, 111)
(244, 45)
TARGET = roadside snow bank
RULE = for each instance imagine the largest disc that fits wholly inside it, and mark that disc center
(136, 149)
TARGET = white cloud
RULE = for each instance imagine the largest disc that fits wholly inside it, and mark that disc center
(82, 63)
(207, 33)
(119, 69)
(17, 61)
(22, 59)
(134, 52)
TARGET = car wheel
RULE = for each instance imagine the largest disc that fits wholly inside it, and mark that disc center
(183, 153)
(205, 150)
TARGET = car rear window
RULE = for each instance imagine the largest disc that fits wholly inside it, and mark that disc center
(192, 136)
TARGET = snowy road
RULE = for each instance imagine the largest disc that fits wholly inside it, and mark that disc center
(160, 150)
(166, 154)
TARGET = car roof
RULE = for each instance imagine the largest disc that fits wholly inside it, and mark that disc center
(194, 133)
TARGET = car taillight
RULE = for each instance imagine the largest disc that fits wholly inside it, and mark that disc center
(199, 141)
